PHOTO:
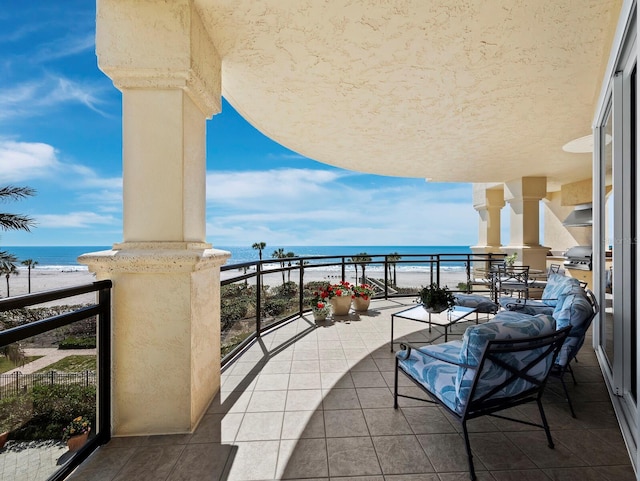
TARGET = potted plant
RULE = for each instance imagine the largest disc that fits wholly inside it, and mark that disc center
(435, 298)
(340, 298)
(320, 304)
(511, 259)
(362, 296)
(76, 433)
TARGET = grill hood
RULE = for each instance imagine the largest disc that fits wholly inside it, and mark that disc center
(581, 216)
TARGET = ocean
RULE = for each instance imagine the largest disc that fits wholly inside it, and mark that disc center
(65, 257)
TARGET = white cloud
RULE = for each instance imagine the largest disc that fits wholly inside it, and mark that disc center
(20, 161)
(315, 207)
(37, 98)
(65, 47)
(268, 186)
(75, 219)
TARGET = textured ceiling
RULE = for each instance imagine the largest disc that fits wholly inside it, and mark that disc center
(450, 90)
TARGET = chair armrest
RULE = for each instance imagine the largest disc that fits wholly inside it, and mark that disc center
(405, 346)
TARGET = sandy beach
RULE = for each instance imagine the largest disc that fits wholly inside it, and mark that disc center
(43, 279)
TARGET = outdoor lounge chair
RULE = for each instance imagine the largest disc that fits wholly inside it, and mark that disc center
(576, 311)
(497, 365)
(556, 288)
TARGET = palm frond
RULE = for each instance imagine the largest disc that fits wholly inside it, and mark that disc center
(13, 193)
(16, 222)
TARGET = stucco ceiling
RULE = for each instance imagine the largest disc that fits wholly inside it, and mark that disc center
(471, 91)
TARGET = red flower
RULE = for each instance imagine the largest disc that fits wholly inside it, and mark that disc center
(320, 305)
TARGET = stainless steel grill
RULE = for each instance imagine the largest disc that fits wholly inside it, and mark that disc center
(578, 257)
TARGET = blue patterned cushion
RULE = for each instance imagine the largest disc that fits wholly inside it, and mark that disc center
(510, 316)
(526, 306)
(506, 325)
(436, 375)
(575, 311)
(482, 304)
(557, 285)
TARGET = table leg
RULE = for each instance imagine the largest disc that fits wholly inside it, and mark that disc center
(391, 343)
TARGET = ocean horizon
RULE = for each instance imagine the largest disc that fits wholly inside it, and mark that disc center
(66, 257)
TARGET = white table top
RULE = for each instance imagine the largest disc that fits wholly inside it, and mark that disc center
(445, 318)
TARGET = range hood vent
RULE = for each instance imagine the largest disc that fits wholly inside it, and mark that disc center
(581, 216)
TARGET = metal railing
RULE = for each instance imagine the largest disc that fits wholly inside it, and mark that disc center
(102, 311)
(17, 382)
(250, 306)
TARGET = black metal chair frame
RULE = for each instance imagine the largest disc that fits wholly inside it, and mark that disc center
(484, 406)
(514, 279)
(559, 371)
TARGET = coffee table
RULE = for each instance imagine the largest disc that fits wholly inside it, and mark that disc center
(444, 319)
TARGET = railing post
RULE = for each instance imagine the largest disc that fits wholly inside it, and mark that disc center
(104, 365)
(258, 297)
(343, 269)
(301, 296)
(386, 278)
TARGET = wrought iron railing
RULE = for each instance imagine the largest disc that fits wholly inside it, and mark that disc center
(261, 295)
(101, 310)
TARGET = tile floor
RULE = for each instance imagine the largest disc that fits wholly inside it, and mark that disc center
(316, 403)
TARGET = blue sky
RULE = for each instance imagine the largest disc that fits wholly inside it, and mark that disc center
(60, 133)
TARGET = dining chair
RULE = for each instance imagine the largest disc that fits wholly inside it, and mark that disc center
(513, 280)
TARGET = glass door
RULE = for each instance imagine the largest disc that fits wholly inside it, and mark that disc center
(615, 238)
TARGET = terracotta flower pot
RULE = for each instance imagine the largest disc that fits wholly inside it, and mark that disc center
(74, 443)
(340, 305)
(361, 304)
(3, 438)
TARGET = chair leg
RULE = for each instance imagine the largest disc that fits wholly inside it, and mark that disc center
(566, 393)
(568, 368)
(545, 423)
(395, 387)
(467, 444)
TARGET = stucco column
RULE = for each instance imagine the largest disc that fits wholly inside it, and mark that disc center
(524, 198)
(488, 202)
(166, 278)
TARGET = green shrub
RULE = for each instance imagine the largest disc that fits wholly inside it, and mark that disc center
(77, 343)
(287, 290)
(54, 406)
(275, 306)
(15, 411)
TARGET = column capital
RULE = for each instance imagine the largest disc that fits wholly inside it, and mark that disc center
(159, 45)
(488, 198)
(526, 188)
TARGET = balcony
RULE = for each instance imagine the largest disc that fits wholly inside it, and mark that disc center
(307, 401)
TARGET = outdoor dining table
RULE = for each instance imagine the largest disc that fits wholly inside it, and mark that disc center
(491, 275)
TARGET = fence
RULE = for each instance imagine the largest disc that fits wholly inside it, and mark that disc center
(12, 384)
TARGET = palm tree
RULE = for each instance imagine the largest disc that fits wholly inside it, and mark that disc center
(279, 254)
(29, 263)
(259, 246)
(8, 266)
(363, 259)
(392, 259)
(14, 353)
(15, 221)
(289, 255)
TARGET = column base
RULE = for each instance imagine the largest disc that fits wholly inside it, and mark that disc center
(165, 333)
